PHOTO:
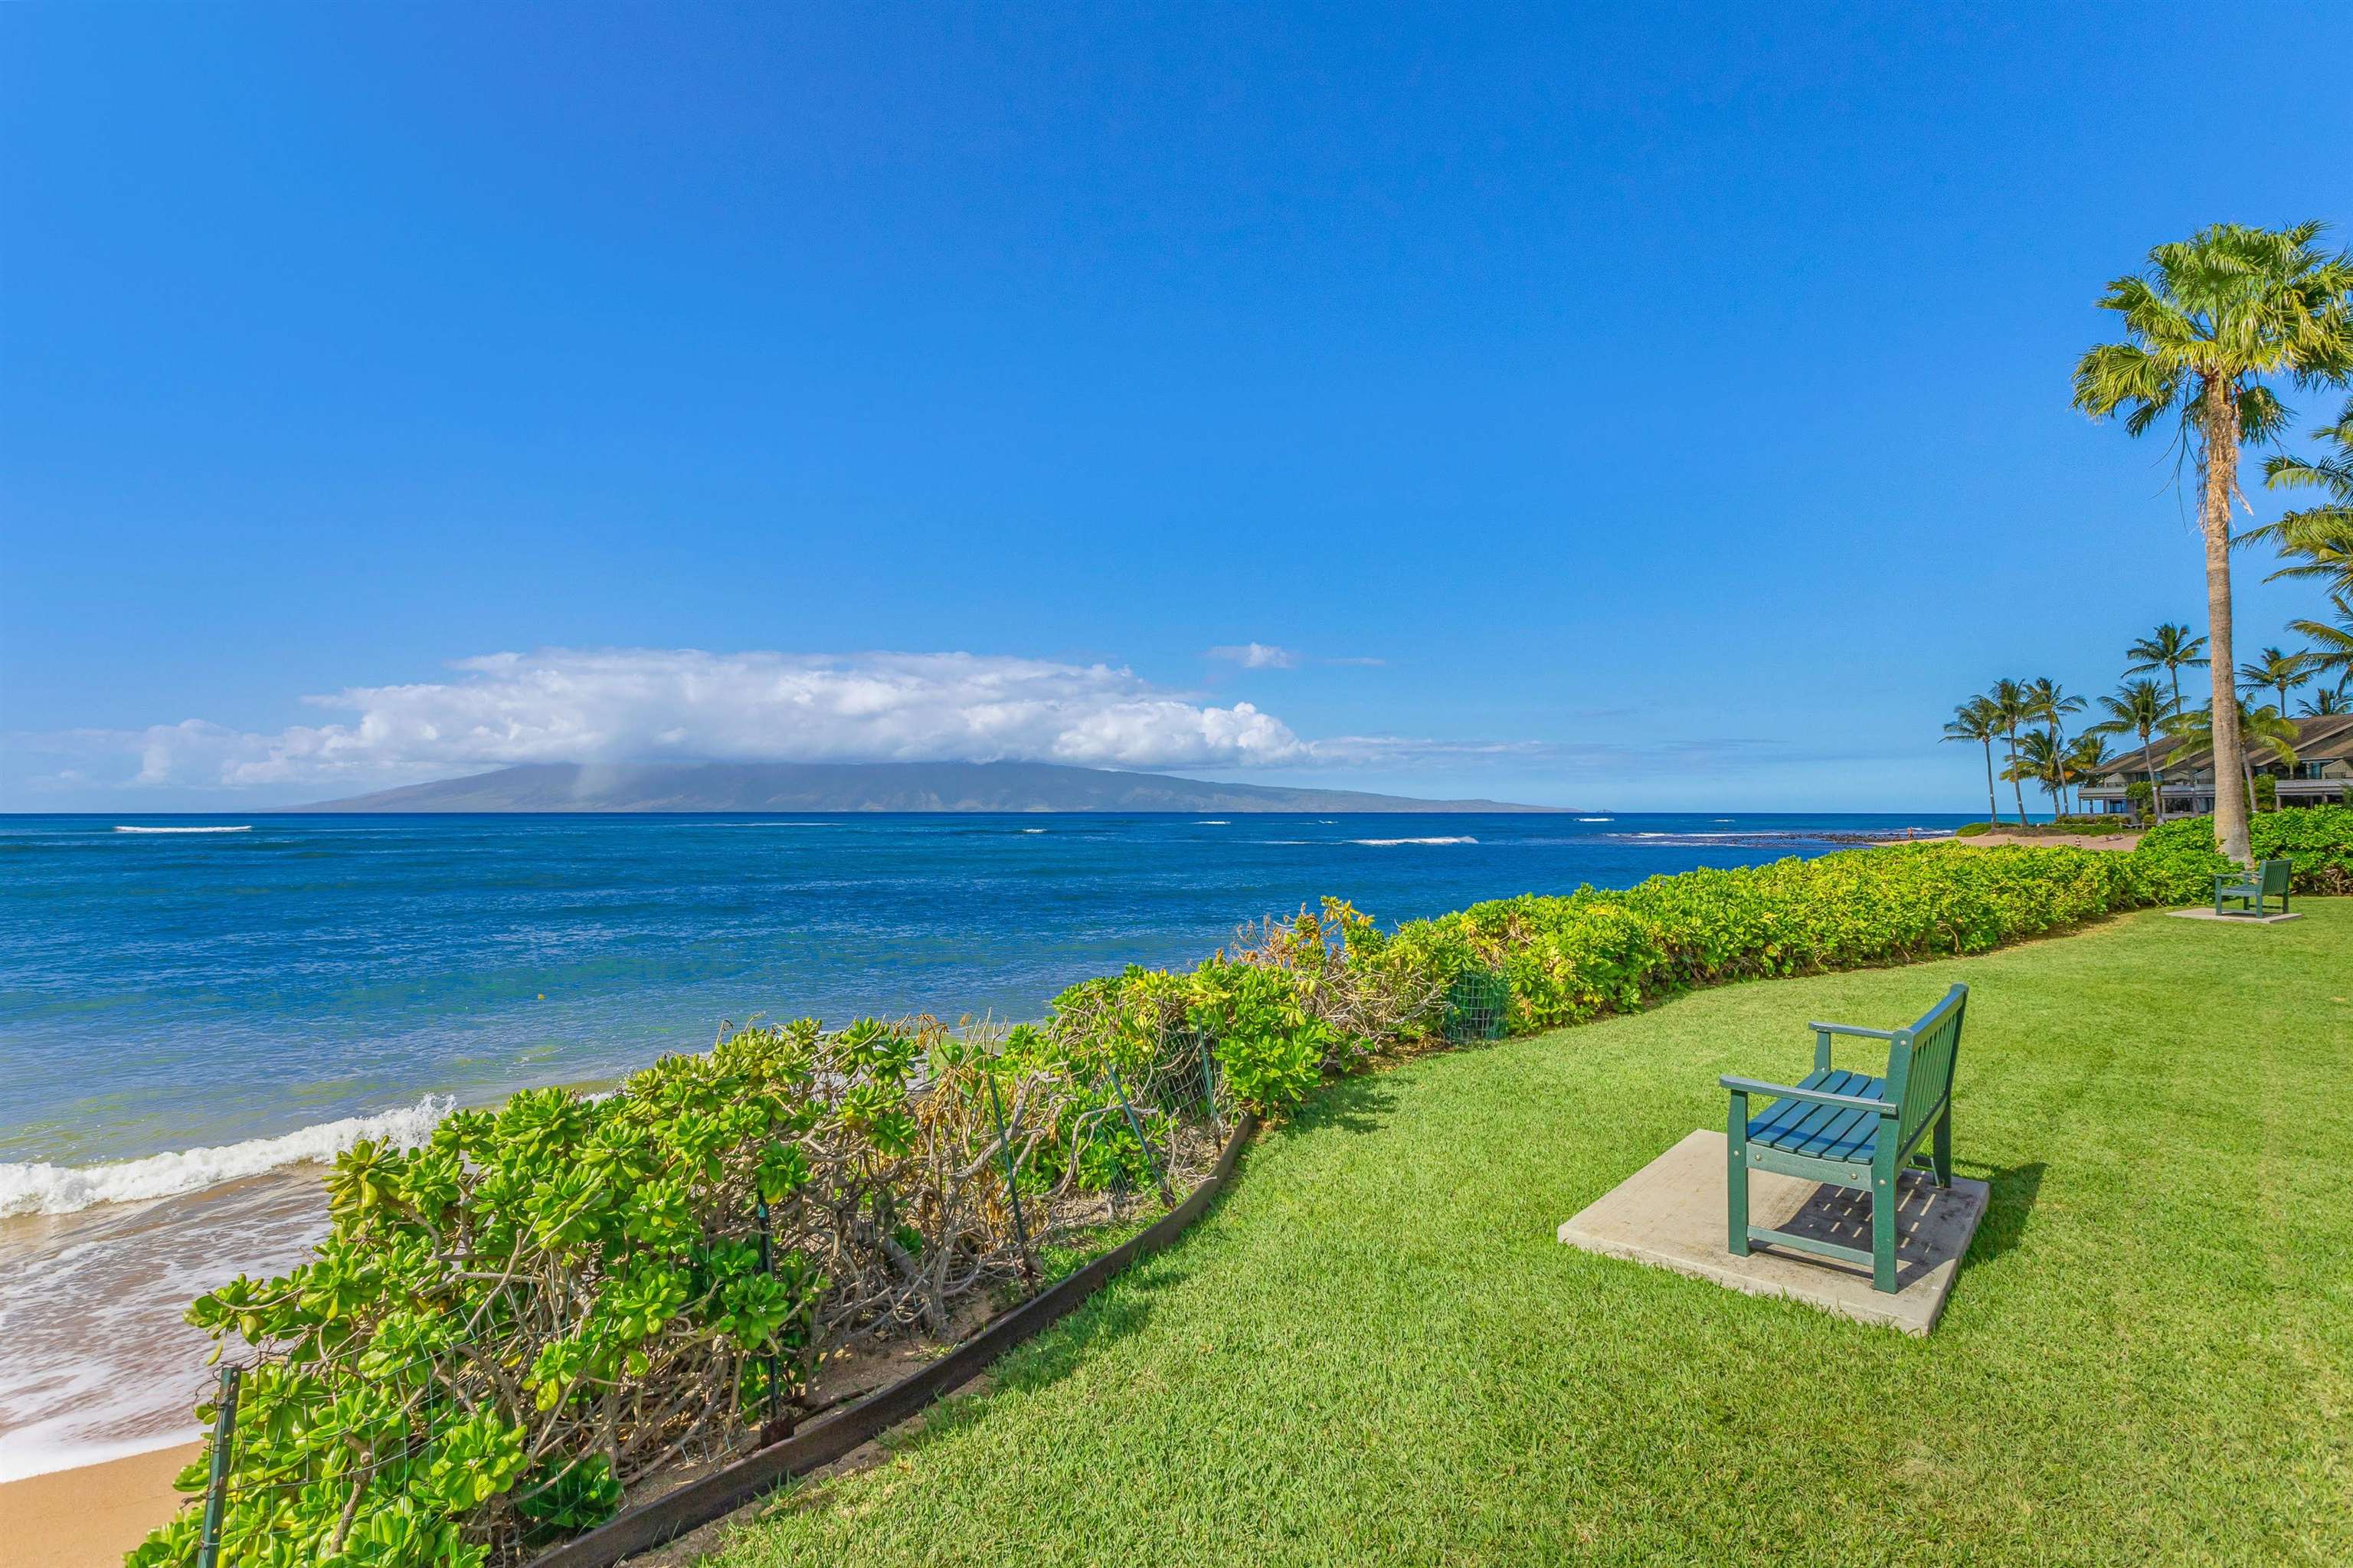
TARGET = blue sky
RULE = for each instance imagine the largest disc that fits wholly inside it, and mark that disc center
(1603, 409)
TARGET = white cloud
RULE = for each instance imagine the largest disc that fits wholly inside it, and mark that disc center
(1257, 656)
(651, 704)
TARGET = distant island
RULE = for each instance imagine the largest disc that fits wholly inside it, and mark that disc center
(866, 787)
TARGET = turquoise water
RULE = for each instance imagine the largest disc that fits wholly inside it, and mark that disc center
(164, 988)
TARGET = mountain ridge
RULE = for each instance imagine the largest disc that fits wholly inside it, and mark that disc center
(944, 786)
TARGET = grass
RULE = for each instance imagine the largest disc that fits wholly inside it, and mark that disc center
(1375, 1350)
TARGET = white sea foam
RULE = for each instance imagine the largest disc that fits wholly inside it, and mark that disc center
(1033, 830)
(246, 828)
(1464, 838)
(41, 1188)
(1213, 822)
(1597, 818)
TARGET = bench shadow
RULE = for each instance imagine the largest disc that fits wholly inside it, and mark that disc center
(2013, 1190)
(1842, 1216)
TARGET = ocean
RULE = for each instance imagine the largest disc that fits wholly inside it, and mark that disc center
(194, 1011)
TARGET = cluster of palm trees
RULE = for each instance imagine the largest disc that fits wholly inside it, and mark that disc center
(2213, 329)
(2030, 717)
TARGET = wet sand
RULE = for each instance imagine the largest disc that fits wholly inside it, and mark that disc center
(99, 1358)
(88, 1518)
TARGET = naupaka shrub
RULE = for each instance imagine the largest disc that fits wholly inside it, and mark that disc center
(2316, 841)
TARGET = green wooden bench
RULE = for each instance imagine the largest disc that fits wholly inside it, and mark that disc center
(2248, 889)
(1850, 1130)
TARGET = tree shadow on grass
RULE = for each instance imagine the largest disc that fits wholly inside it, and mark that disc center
(1350, 1105)
(2014, 1188)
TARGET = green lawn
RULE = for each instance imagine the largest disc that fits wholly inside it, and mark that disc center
(1376, 1350)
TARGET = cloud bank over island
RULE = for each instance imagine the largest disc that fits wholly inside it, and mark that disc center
(641, 704)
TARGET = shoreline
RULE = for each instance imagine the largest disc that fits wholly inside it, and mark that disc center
(91, 1515)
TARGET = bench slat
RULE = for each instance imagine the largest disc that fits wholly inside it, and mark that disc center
(1820, 1131)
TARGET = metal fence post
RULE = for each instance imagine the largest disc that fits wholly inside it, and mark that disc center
(216, 1489)
(775, 1428)
(1209, 1081)
(1158, 1173)
(1012, 1193)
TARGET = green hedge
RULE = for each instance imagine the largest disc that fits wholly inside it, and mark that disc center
(507, 1326)
(2317, 840)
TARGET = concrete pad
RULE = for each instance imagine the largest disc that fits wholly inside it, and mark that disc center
(1671, 1214)
(2208, 913)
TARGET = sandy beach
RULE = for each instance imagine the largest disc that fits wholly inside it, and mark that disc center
(2120, 840)
(87, 1518)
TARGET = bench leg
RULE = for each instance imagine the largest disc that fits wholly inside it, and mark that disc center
(1735, 1177)
(1882, 1225)
(1940, 1148)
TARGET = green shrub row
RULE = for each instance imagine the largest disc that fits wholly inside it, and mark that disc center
(2058, 827)
(2316, 841)
(547, 1302)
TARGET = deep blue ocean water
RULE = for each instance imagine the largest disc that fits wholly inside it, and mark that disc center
(164, 988)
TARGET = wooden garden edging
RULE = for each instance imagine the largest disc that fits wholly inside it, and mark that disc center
(722, 1492)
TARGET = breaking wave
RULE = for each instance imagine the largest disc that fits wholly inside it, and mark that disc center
(1463, 839)
(41, 1188)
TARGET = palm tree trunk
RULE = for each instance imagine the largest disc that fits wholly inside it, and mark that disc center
(2222, 433)
(2155, 783)
(2017, 785)
(1993, 809)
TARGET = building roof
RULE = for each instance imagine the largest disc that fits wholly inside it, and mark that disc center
(2325, 739)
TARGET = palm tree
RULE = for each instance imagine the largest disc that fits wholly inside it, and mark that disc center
(2038, 758)
(2138, 708)
(2047, 702)
(2335, 650)
(2265, 730)
(2008, 700)
(2278, 669)
(2204, 327)
(1979, 719)
(2320, 704)
(2323, 535)
(2086, 761)
(2172, 649)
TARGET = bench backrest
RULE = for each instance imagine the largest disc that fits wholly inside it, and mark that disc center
(1920, 1062)
(2272, 874)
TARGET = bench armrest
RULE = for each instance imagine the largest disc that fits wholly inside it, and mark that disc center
(1852, 1029)
(1812, 1096)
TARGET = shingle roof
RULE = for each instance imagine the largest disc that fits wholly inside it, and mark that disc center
(2325, 739)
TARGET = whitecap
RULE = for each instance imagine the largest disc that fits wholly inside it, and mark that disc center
(1597, 818)
(1463, 839)
(246, 828)
(41, 1188)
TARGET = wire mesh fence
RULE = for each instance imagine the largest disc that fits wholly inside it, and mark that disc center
(1477, 1006)
(581, 1318)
